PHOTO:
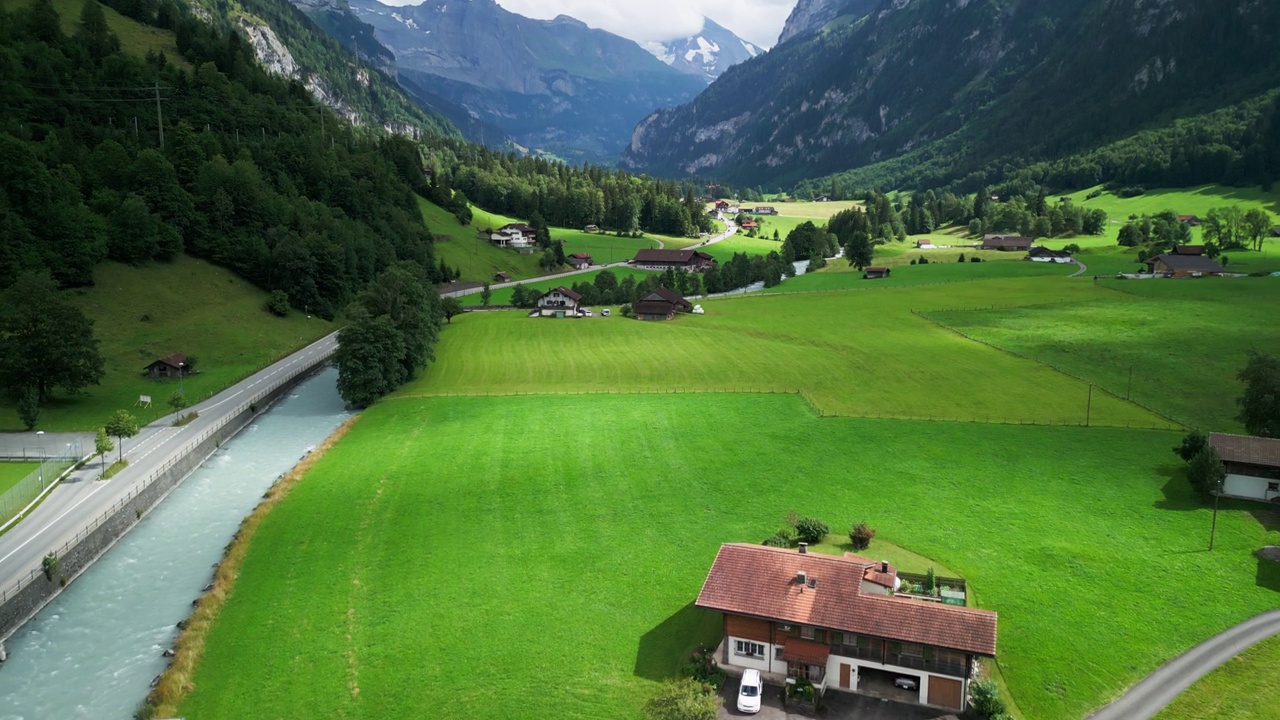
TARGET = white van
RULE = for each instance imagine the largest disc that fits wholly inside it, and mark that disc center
(749, 692)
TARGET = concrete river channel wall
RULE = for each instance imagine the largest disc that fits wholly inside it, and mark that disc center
(98, 634)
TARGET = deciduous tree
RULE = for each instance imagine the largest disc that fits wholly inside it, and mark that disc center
(122, 425)
(1260, 403)
(102, 444)
(45, 342)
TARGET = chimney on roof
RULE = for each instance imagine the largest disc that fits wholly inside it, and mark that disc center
(884, 566)
(804, 548)
(802, 577)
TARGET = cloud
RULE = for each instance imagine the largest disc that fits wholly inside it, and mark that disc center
(756, 21)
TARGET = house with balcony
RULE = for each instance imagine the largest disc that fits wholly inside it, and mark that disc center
(559, 302)
(835, 621)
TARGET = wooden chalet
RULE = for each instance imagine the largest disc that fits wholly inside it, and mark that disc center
(169, 366)
(1016, 243)
(1170, 265)
(875, 273)
(1252, 465)
(502, 276)
(1188, 249)
(559, 302)
(579, 261)
(1192, 220)
(688, 260)
(661, 304)
(1044, 254)
(834, 621)
(764, 210)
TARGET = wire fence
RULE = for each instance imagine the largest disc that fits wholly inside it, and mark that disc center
(179, 456)
(17, 497)
(1174, 423)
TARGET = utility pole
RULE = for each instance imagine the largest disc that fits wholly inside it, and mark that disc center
(159, 115)
(1088, 408)
(1213, 529)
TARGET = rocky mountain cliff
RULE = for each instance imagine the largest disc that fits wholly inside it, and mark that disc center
(552, 85)
(963, 84)
(290, 44)
(706, 54)
(809, 16)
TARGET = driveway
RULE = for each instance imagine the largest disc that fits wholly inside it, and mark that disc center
(836, 706)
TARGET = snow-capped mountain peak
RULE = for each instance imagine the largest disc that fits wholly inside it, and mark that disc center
(707, 54)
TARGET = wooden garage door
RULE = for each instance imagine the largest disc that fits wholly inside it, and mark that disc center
(945, 692)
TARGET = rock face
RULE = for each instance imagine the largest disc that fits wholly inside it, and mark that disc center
(552, 85)
(706, 54)
(962, 85)
(808, 16)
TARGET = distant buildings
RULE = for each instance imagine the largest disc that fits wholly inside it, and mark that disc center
(688, 260)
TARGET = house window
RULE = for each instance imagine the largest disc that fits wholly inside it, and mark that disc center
(746, 648)
(777, 653)
(1273, 487)
(806, 632)
(912, 650)
(786, 627)
(837, 638)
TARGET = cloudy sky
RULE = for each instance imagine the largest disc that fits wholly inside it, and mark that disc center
(757, 21)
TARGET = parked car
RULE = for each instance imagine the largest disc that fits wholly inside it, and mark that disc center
(749, 692)
(586, 312)
(906, 683)
(604, 312)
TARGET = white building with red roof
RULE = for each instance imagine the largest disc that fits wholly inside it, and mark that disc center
(835, 621)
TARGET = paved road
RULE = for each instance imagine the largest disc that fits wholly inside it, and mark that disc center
(1079, 272)
(730, 229)
(74, 505)
(1159, 688)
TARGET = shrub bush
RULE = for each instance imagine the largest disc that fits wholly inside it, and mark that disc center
(278, 303)
(702, 667)
(626, 310)
(984, 699)
(974, 259)
(682, 699)
(811, 530)
(860, 536)
(1191, 445)
(50, 565)
(1072, 248)
(961, 259)
(777, 540)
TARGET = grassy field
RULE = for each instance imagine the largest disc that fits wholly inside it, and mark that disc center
(1172, 334)
(838, 275)
(532, 578)
(1243, 689)
(861, 353)
(187, 306)
(724, 250)
(12, 472)
(502, 296)
(1184, 201)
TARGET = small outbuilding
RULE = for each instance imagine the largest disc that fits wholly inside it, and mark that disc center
(169, 366)
(502, 276)
(1044, 254)
(578, 261)
(875, 273)
(1252, 465)
(1192, 220)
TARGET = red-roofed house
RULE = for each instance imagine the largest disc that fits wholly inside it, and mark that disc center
(1189, 219)
(578, 261)
(1252, 464)
(791, 614)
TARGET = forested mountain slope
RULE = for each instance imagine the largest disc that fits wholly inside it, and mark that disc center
(965, 85)
(248, 171)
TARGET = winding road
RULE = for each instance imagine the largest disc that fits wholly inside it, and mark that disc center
(729, 230)
(1159, 688)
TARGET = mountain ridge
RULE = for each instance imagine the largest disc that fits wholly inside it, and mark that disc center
(707, 53)
(981, 82)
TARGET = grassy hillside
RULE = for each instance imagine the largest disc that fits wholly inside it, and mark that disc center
(187, 306)
(1187, 201)
(135, 38)
(566, 570)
